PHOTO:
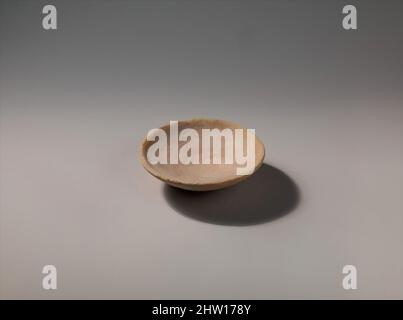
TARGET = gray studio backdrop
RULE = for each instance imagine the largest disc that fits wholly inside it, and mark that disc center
(76, 101)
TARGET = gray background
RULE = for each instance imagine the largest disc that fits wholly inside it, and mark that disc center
(74, 104)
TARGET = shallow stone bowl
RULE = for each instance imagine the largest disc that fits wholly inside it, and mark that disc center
(201, 177)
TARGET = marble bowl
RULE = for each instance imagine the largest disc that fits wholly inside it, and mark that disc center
(200, 177)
